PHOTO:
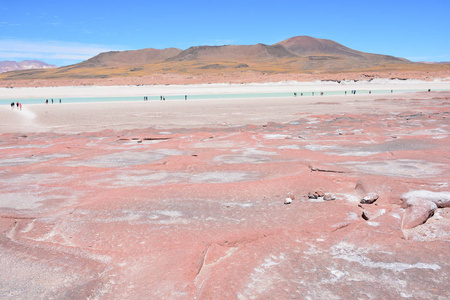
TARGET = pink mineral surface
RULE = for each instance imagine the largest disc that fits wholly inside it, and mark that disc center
(198, 212)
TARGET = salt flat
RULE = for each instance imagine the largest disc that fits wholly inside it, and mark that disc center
(186, 199)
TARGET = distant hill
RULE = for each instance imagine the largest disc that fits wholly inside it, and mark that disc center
(306, 45)
(251, 53)
(130, 58)
(300, 54)
(7, 65)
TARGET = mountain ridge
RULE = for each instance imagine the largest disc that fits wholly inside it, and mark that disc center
(300, 54)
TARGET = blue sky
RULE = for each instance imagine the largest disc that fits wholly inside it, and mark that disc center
(66, 32)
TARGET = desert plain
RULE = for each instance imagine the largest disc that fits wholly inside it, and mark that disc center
(307, 197)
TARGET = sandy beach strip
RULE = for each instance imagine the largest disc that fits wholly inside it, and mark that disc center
(80, 117)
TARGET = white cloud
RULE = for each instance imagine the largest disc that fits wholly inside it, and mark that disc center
(51, 50)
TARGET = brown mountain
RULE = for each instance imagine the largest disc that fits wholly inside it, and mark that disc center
(301, 54)
(327, 55)
(130, 58)
(259, 52)
(306, 45)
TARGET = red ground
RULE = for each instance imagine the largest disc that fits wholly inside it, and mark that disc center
(200, 213)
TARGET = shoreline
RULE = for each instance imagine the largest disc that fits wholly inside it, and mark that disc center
(217, 88)
(230, 78)
(197, 113)
(73, 118)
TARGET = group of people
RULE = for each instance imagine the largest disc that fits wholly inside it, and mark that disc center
(17, 104)
(46, 101)
(345, 92)
(312, 94)
(163, 98)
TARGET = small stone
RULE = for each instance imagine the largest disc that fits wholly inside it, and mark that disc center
(365, 215)
(288, 201)
(319, 193)
(312, 196)
(329, 197)
(369, 198)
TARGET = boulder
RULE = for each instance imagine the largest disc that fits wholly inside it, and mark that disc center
(417, 212)
(441, 199)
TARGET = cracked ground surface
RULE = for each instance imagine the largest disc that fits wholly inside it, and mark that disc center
(199, 213)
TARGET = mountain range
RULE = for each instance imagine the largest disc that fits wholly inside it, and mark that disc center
(8, 65)
(300, 54)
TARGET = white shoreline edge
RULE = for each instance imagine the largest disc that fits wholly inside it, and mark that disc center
(218, 88)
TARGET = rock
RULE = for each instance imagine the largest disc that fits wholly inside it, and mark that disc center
(312, 196)
(441, 199)
(329, 197)
(319, 193)
(365, 215)
(369, 198)
(371, 212)
(289, 198)
(418, 211)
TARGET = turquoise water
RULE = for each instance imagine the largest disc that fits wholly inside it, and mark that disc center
(205, 97)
